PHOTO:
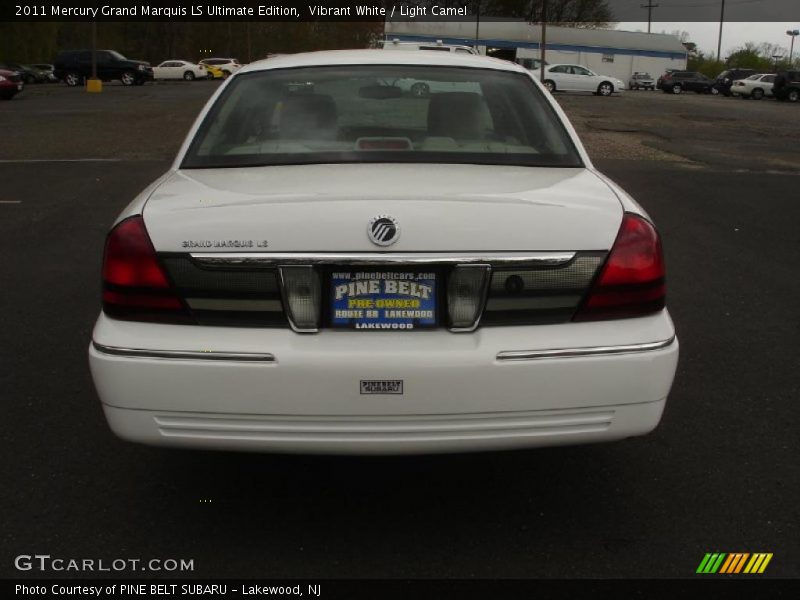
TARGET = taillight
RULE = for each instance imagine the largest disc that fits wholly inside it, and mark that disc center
(135, 286)
(631, 283)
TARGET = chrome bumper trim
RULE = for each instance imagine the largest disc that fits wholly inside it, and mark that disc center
(185, 354)
(512, 355)
(275, 259)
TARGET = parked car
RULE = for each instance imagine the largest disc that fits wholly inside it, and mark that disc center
(179, 69)
(787, 86)
(641, 81)
(724, 81)
(48, 70)
(689, 81)
(213, 72)
(423, 89)
(438, 45)
(11, 84)
(28, 73)
(755, 87)
(661, 77)
(468, 281)
(532, 64)
(73, 67)
(228, 66)
(577, 78)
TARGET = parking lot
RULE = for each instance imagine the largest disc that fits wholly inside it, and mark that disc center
(720, 176)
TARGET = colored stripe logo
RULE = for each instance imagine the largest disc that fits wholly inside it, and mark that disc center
(734, 563)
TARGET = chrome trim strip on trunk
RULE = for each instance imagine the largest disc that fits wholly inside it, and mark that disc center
(185, 354)
(512, 355)
(274, 259)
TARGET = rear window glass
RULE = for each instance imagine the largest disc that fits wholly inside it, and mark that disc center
(381, 113)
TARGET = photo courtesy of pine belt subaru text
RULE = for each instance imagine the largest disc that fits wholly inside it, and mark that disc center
(335, 264)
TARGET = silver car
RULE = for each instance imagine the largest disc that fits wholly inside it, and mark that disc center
(640, 81)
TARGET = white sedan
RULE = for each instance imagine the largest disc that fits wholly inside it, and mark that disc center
(338, 267)
(179, 69)
(577, 78)
(755, 86)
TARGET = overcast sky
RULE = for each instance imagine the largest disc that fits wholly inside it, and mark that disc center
(734, 35)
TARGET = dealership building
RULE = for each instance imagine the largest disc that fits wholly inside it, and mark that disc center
(605, 51)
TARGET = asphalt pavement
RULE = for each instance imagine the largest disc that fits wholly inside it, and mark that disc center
(718, 475)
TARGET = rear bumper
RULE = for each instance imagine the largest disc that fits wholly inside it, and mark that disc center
(276, 390)
(406, 434)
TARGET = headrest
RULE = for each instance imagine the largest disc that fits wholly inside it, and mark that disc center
(455, 114)
(307, 115)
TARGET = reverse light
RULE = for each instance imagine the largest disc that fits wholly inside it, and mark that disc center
(466, 294)
(302, 296)
(631, 283)
(135, 286)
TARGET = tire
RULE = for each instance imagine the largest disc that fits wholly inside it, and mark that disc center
(420, 90)
(188, 76)
(209, 76)
(128, 78)
(676, 89)
(225, 74)
(72, 79)
(793, 95)
(634, 87)
(757, 94)
(605, 89)
(714, 91)
(550, 85)
(6, 96)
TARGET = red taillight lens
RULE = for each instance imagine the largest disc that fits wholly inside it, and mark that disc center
(135, 286)
(631, 283)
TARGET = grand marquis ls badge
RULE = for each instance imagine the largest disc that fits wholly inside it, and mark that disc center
(383, 230)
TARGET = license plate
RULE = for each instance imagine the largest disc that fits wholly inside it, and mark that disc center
(383, 300)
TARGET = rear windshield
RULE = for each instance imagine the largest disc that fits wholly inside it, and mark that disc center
(381, 113)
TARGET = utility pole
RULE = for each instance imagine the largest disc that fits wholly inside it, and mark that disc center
(477, 24)
(649, 6)
(543, 44)
(249, 42)
(94, 49)
(93, 84)
(794, 33)
(719, 40)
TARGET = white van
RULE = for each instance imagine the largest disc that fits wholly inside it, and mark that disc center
(396, 44)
